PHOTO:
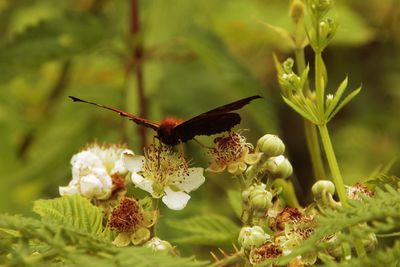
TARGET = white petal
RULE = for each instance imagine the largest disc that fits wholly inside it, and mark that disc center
(192, 181)
(133, 163)
(68, 190)
(91, 187)
(175, 200)
(142, 183)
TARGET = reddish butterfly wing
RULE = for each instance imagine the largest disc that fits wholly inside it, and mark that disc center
(212, 122)
(132, 117)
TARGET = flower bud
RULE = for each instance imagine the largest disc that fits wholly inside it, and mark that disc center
(158, 245)
(271, 145)
(260, 199)
(296, 10)
(323, 186)
(246, 194)
(278, 167)
(252, 237)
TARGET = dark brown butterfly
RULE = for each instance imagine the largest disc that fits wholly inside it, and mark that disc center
(172, 131)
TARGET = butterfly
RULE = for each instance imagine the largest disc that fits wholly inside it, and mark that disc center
(172, 131)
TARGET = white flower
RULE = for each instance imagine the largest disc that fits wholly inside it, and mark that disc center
(164, 173)
(92, 171)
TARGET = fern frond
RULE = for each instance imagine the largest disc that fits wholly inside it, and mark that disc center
(385, 257)
(75, 248)
(382, 180)
(205, 230)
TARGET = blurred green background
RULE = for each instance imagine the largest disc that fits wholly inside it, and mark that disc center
(196, 55)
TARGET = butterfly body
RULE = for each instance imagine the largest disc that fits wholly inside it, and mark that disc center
(172, 131)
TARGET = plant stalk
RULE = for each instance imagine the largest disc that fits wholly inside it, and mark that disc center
(137, 60)
(309, 128)
(333, 165)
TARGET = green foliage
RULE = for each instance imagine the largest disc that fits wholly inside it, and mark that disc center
(385, 257)
(74, 211)
(54, 39)
(47, 244)
(209, 229)
(381, 213)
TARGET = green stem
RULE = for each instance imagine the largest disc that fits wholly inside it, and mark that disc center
(155, 206)
(314, 150)
(333, 165)
(309, 128)
(359, 247)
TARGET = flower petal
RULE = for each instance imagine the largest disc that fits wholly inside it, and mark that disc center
(91, 187)
(216, 168)
(233, 168)
(252, 158)
(175, 200)
(122, 240)
(133, 163)
(140, 236)
(71, 189)
(192, 181)
(142, 183)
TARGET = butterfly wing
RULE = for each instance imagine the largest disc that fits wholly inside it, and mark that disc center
(206, 125)
(215, 121)
(122, 113)
(228, 107)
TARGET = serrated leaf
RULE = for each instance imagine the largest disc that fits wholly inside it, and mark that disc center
(205, 230)
(74, 211)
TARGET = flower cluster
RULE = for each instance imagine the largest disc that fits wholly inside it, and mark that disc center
(97, 172)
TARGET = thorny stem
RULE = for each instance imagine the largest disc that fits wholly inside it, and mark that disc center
(229, 260)
(137, 63)
(333, 165)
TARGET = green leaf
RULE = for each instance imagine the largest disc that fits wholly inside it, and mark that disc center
(234, 199)
(298, 109)
(383, 180)
(347, 99)
(339, 92)
(74, 211)
(205, 230)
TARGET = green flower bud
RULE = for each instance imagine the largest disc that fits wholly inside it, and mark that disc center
(158, 245)
(260, 199)
(270, 145)
(278, 167)
(288, 65)
(296, 10)
(246, 194)
(252, 237)
(323, 186)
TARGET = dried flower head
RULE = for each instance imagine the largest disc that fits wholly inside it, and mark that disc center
(232, 152)
(287, 215)
(267, 251)
(132, 222)
(93, 170)
(358, 190)
(164, 173)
